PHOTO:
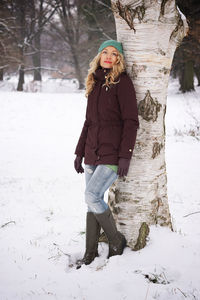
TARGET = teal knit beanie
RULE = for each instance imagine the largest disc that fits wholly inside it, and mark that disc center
(113, 43)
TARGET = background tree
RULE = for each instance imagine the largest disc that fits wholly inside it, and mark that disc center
(70, 28)
(8, 57)
(100, 25)
(186, 63)
(24, 24)
(2, 42)
(150, 33)
(48, 43)
(81, 28)
(58, 36)
(41, 13)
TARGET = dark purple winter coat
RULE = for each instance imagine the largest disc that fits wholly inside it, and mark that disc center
(110, 127)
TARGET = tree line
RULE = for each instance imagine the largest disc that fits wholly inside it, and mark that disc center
(38, 35)
(63, 36)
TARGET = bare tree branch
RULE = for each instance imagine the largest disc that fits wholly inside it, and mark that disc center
(196, 212)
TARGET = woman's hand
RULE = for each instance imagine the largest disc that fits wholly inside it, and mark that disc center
(123, 166)
(78, 164)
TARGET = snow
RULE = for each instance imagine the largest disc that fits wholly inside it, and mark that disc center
(42, 209)
(47, 85)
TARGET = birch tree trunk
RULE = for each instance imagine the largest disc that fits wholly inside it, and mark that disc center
(150, 31)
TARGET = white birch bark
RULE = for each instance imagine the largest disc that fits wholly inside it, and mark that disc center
(150, 31)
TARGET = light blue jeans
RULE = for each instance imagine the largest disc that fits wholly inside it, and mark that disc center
(98, 179)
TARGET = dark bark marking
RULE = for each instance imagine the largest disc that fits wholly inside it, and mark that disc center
(128, 13)
(162, 10)
(135, 69)
(103, 238)
(116, 210)
(165, 71)
(161, 52)
(119, 197)
(164, 113)
(176, 31)
(157, 203)
(162, 167)
(148, 108)
(122, 224)
(111, 203)
(162, 220)
(156, 149)
(142, 237)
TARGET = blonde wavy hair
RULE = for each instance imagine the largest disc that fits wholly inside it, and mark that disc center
(116, 70)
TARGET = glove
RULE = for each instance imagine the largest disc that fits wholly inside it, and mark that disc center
(77, 164)
(123, 166)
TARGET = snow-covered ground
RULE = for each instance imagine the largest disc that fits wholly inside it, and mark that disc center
(48, 84)
(42, 210)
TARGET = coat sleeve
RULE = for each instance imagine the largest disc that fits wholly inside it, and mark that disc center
(80, 148)
(129, 114)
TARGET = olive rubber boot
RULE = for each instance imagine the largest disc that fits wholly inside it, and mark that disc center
(117, 241)
(92, 237)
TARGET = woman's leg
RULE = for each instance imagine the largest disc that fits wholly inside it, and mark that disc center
(89, 171)
(101, 179)
(92, 228)
(98, 180)
(117, 241)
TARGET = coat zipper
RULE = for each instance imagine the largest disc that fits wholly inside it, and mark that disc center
(98, 118)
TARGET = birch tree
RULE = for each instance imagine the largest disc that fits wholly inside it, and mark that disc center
(150, 31)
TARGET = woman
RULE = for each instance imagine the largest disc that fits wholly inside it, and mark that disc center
(106, 142)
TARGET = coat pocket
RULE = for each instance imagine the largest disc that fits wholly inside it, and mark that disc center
(115, 136)
(91, 136)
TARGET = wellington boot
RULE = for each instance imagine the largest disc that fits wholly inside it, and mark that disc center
(92, 236)
(117, 241)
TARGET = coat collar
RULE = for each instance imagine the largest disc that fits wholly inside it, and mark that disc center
(100, 73)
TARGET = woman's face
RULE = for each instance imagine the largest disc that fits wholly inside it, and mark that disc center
(108, 57)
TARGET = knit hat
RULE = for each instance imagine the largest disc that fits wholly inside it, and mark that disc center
(113, 43)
